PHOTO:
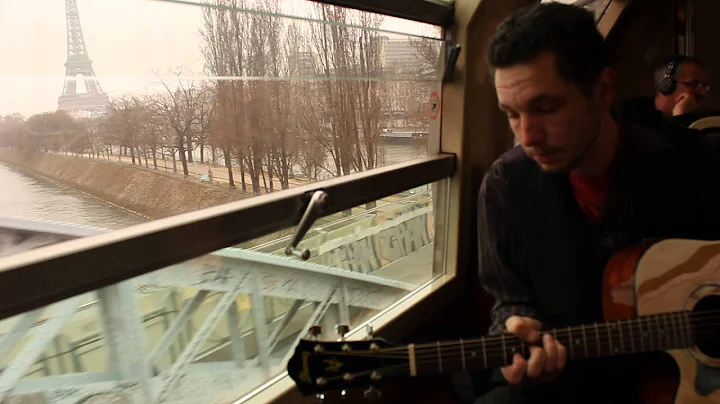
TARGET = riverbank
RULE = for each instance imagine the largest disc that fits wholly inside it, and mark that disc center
(146, 192)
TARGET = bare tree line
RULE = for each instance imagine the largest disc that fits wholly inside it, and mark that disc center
(289, 95)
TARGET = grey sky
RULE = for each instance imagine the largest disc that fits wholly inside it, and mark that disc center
(126, 39)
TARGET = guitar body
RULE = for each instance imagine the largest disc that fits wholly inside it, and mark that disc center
(667, 276)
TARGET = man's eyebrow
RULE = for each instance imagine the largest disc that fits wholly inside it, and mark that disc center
(538, 99)
(544, 98)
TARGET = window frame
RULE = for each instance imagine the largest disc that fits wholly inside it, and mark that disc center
(427, 11)
(178, 238)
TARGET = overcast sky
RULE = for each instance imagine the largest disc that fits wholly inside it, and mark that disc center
(125, 39)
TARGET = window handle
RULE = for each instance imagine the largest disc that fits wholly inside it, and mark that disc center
(452, 51)
(315, 209)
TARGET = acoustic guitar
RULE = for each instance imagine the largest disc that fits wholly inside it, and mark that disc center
(657, 296)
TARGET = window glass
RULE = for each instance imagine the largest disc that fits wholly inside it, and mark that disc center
(116, 112)
(212, 329)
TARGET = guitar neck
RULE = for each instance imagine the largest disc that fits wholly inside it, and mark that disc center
(628, 336)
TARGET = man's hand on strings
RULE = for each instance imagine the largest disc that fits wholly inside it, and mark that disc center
(545, 363)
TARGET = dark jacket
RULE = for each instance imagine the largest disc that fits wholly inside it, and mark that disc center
(541, 257)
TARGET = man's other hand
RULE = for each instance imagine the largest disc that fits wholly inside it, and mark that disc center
(545, 363)
(686, 103)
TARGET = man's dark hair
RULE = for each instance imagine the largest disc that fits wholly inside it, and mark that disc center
(568, 31)
(678, 60)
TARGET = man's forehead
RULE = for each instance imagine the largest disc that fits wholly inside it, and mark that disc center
(693, 71)
(525, 82)
(542, 65)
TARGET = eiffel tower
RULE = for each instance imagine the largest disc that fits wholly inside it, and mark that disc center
(94, 100)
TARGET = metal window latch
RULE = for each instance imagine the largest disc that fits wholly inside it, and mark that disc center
(452, 51)
(316, 207)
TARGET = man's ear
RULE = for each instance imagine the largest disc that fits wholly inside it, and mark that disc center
(605, 87)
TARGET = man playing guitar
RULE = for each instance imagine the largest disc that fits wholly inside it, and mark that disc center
(577, 188)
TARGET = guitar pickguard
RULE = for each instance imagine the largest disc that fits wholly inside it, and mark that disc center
(707, 380)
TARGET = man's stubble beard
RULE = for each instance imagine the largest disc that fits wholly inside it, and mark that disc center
(596, 127)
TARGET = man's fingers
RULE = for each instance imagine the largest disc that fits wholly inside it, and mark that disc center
(524, 328)
(546, 360)
(514, 373)
(551, 352)
(562, 356)
(536, 363)
(686, 102)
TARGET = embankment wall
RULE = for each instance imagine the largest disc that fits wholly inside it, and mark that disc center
(148, 192)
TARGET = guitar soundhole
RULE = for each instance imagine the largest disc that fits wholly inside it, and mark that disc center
(705, 322)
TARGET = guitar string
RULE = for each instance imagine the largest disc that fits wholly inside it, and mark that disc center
(496, 353)
(404, 367)
(690, 318)
(449, 356)
(602, 329)
(495, 346)
(499, 352)
(656, 340)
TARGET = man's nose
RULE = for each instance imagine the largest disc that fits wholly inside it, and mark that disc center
(529, 131)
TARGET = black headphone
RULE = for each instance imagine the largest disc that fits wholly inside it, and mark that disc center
(666, 85)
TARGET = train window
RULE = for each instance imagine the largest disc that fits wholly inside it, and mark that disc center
(159, 181)
(219, 103)
(215, 327)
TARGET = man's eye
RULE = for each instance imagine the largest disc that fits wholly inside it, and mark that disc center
(512, 115)
(547, 109)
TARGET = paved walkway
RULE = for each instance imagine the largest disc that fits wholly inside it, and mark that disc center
(198, 169)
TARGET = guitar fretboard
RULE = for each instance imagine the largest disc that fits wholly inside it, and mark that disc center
(643, 334)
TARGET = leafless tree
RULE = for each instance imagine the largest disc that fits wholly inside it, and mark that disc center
(124, 122)
(178, 108)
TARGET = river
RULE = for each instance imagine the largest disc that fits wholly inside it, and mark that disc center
(30, 197)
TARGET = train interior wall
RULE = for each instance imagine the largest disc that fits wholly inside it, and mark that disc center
(707, 31)
(640, 39)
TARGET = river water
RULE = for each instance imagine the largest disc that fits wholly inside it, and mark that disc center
(30, 197)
